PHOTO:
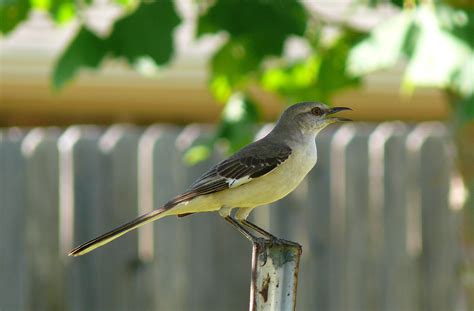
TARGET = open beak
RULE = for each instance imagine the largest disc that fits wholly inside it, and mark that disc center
(333, 110)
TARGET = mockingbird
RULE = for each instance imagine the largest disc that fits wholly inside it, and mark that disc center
(260, 173)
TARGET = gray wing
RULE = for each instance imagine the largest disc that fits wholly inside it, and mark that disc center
(251, 162)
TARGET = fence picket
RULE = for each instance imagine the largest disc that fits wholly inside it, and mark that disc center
(313, 290)
(47, 289)
(81, 178)
(120, 266)
(358, 262)
(169, 233)
(13, 253)
(440, 254)
(398, 279)
(338, 223)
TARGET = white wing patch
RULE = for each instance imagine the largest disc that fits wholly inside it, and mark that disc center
(235, 182)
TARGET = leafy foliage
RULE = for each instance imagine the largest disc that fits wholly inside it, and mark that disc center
(383, 47)
(436, 42)
(238, 119)
(319, 76)
(236, 128)
(457, 22)
(234, 60)
(146, 32)
(12, 12)
(464, 109)
(85, 50)
(433, 38)
(62, 10)
(256, 30)
(88, 50)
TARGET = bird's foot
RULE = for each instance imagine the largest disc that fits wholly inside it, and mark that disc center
(273, 240)
(265, 247)
(269, 239)
(282, 242)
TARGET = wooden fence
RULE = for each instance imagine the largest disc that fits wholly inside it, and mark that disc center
(378, 220)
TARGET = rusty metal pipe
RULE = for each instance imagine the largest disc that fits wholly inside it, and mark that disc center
(274, 275)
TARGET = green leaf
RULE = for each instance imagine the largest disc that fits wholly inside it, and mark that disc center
(257, 29)
(375, 3)
(236, 129)
(318, 77)
(234, 60)
(271, 21)
(85, 50)
(295, 81)
(464, 110)
(411, 40)
(398, 3)
(148, 31)
(462, 81)
(458, 22)
(126, 3)
(437, 42)
(12, 12)
(237, 123)
(383, 48)
(197, 154)
(438, 55)
(333, 75)
(220, 87)
(62, 10)
(145, 34)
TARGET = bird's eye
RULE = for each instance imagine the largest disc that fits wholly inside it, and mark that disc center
(317, 111)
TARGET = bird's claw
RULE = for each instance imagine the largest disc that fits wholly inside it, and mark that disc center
(280, 242)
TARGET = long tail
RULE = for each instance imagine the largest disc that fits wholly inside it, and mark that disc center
(117, 232)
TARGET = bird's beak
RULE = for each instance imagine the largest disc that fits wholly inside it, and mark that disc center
(333, 110)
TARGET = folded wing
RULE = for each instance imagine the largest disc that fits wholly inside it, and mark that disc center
(254, 161)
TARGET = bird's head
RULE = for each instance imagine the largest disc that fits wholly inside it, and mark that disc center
(311, 117)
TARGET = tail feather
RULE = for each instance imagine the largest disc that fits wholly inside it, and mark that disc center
(117, 232)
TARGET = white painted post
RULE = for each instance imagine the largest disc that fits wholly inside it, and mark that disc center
(274, 276)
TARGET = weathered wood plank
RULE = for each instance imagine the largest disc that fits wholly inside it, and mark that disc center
(47, 290)
(231, 261)
(313, 289)
(14, 278)
(82, 200)
(375, 230)
(338, 223)
(358, 263)
(200, 231)
(170, 277)
(120, 269)
(440, 256)
(399, 279)
(218, 254)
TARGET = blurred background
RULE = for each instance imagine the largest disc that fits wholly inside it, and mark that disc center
(108, 108)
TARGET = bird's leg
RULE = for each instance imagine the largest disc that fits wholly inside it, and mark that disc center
(271, 237)
(242, 230)
(262, 231)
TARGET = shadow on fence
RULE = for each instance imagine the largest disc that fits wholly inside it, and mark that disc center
(375, 217)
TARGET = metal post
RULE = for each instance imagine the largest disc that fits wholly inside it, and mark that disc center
(274, 276)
